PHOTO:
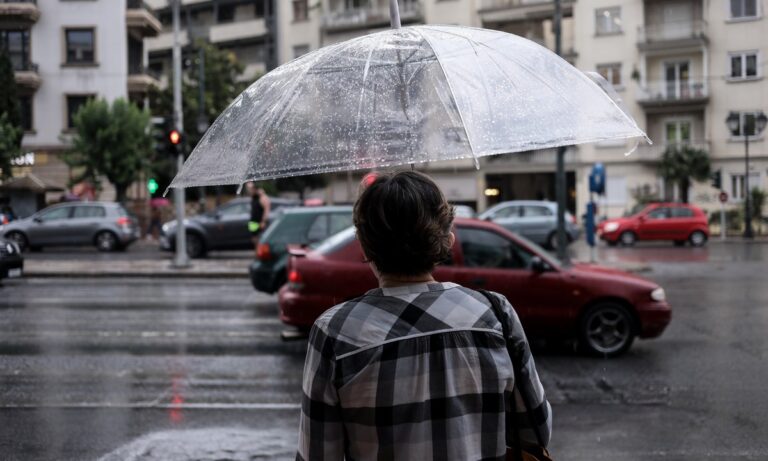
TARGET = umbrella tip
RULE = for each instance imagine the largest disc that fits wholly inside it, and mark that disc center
(239, 188)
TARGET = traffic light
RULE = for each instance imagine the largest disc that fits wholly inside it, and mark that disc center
(160, 128)
(717, 180)
(152, 186)
(175, 142)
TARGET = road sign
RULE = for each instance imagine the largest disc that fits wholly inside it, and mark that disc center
(723, 197)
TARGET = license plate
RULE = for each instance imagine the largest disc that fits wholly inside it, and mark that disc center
(14, 273)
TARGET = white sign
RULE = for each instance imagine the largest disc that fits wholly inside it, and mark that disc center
(27, 159)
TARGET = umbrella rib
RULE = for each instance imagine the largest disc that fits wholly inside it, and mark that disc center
(362, 89)
(453, 96)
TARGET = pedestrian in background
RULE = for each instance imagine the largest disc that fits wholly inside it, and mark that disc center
(260, 206)
(417, 369)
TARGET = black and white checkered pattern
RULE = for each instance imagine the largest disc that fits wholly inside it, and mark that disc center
(417, 372)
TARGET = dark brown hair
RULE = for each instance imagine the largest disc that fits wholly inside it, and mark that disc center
(403, 223)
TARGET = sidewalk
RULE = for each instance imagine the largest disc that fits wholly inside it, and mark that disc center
(234, 268)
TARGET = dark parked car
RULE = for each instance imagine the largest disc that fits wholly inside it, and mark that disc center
(11, 261)
(678, 222)
(605, 309)
(225, 228)
(533, 219)
(297, 226)
(107, 225)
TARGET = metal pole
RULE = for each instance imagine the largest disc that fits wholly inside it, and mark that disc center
(181, 259)
(201, 120)
(722, 220)
(562, 252)
(394, 14)
(747, 211)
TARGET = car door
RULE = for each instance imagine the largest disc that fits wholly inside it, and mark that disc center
(49, 227)
(682, 222)
(497, 263)
(84, 223)
(654, 225)
(229, 228)
(536, 222)
(508, 217)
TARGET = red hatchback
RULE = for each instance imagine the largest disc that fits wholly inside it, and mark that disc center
(604, 308)
(679, 222)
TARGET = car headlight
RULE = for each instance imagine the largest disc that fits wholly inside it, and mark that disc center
(658, 294)
(611, 227)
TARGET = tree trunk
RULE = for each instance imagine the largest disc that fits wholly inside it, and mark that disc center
(121, 192)
(685, 184)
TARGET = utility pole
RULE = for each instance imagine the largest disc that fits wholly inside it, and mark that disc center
(562, 252)
(181, 259)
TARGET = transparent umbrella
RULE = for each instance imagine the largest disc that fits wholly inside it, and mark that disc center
(404, 96)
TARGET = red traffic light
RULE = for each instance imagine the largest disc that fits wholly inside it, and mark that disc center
(175, 137)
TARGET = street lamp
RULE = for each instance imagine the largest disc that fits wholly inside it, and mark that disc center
(734, 123)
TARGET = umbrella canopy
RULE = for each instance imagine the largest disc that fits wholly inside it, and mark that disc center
(411, 95)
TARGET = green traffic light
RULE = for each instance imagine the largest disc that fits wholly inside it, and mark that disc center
(152, 186)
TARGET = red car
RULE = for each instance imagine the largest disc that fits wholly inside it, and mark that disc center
(604, 308)
(679, 222)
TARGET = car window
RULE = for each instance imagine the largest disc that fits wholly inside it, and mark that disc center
(336, 241)
(680, 212)
(89, 212)
(340, 221)
(536, 211)
(235, 209)
(484, 248)
(506, 212)
(319, 229)
(659, 213)
(56, 213)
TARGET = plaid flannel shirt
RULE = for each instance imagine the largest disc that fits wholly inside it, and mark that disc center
(416, 372)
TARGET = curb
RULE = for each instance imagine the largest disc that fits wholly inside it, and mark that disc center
(165, 275)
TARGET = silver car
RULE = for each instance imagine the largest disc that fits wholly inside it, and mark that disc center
(106, 225)
(533, 219)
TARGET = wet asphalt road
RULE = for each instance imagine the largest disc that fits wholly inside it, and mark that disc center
(194, 369)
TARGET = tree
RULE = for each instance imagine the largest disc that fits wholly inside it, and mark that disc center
(221, 71)
(756, 203)
(11, 131)
(682, 164)
(113, 141)
(300, 184)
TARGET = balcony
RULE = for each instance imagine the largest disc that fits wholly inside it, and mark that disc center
(140, 78)
(19, 12)
(140, 20)
(371, 16)
(495, 11)
(27, 75)
(238, 31)
(164, 41)
(658, 96)
(665, 35)
(653, 153)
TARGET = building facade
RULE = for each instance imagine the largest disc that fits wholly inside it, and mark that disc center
(64, 53)
(679, 66)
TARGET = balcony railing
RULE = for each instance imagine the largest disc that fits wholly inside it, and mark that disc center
(672, 31)
(139, 69)
(19, 10)
(368, 16)
(654, 152)
(497, 4)
(674, 91)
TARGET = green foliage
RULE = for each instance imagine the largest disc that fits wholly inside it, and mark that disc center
(112, 141)
(221, 87)
(757, 202)
(300, 184)
(681, 164)
(11, 131)
(8, 144)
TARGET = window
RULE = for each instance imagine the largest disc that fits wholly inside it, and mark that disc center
(80, 46)
(659, 213)
(226, 13)
(743, 65)
(742, 9)
(74, 103)
(677, 132)
(25, 104)
(507, 212)
(737, 184)
(340, 221)
(536, 211)
(680, 212)
(235, 209)
(89, 212)
(319, 229)
(746, 125)
(16, 43)
(616, 190)
(608, 21)
(260, 9)
(300, 50)
(56, 214)
(300, 10)
(483, 248)
(610, 72)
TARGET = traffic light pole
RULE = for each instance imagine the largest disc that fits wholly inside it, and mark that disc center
(562, 251)
(181, 260)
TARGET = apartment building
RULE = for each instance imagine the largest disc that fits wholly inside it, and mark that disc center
(245, 27)
(63, 53)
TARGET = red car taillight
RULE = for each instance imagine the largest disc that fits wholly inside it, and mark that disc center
(295, 280)
(124, 221)
(264, 252)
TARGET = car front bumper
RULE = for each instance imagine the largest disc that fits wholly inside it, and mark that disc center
(654, 317)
